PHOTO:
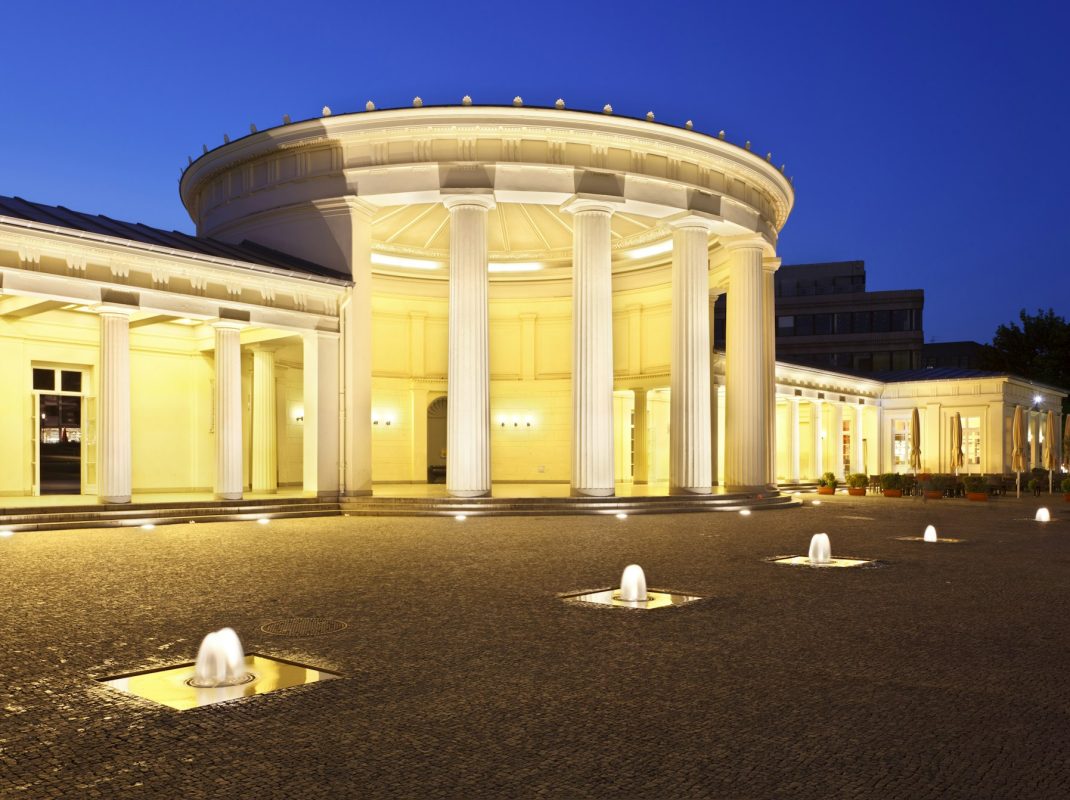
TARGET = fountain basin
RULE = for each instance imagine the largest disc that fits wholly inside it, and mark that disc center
(612, 597)
(804, 561)
(171, 686)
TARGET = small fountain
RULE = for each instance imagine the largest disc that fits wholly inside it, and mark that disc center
(1043, 515)
(633, 585)
(220, 661)
(820, 549)
(930, 534)
(930, 537)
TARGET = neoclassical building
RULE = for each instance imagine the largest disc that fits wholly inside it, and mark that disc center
(481, 293)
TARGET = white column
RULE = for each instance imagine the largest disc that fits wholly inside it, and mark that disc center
(836, 439)
(228, 420)
(265, 444)
(642, 440)
(858, 462)
(468, 409)
(748, 421)
(816, 425)
(113, 451)
(592, 349)
(320, 426)
(716, 445)
(354, 229)
(690, 443)
(769, 355)
(793, 432)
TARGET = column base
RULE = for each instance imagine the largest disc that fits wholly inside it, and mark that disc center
(357, 493)
(760, 489)
(576, 491)
(125, 498)
(228, 495)
(271, 490)
(468, 492)
(690, 490)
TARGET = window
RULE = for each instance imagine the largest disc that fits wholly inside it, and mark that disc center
(882, 362)
(842, 322)
(901, 359)
(863, 362)
(882, 321)
(785, 326)
(902, 319)
(845, 439)
(862, 322)
(900, 443)
(971, 440)
(70, 381)
(822, 324)
(804, 324)
(44, 379)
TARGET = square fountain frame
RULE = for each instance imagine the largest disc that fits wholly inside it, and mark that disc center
(657, 598)
(181, 697)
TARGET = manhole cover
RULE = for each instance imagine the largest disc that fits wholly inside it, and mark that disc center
(304, 626)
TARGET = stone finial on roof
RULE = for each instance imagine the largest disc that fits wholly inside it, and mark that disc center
(559, 104)
(769, 157)
(417, 102)
(369, 106)
(466, 100)
(285, 119)
(226, 138)
(746, 146)
(518, 101)
(326, 111)
(650, 116)
(204, 148)
(607, 109)
(189, 159)
(782, 169)
(720, 135)
(689, 125)
(252, 127)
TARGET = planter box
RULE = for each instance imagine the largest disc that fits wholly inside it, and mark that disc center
(977, 497)
(893, 492)
(855, 491)
(1066, 497)
(933, 494)
(826, 490)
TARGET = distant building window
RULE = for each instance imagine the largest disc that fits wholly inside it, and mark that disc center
(901, 360)
(842, 322)
(903, 319)
(863, 362)
(785, 326)
(882, 321)
(804, 324)
(862, 322)
(822, 324)
(882, 362)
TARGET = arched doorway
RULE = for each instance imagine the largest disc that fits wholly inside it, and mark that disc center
(436, 441)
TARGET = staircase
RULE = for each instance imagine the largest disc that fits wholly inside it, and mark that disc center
(137, 514)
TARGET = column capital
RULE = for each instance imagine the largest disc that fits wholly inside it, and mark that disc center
(112, 308)
(578, 205)
(480, 199)
(228, 324)
(691, 219)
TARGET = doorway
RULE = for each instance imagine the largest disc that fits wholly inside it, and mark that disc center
(436, 440)
(60, 443)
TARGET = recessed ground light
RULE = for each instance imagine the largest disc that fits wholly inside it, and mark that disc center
(148, 526)
(622, 515)
(1043, 515)
(6, 532)
(263, 521)
(460, 518)
(744, 512)
(816, 502)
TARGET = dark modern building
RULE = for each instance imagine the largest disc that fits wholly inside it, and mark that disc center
(825, 318)
(954, 355)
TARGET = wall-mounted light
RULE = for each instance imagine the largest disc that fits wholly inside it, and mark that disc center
(382, 419)
(299, 414)
(515, 421)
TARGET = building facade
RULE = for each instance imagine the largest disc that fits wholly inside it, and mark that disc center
(515, 294)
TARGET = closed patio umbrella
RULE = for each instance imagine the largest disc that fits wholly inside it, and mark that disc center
(1017, 464)
(915, 441)
(1066, 443)
(1049, 449)
(956, 443)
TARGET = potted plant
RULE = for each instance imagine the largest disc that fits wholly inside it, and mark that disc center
(892, 484)
(975, 488)
(935, 487)
(826, 484)
(1066, 489)
(856, 484)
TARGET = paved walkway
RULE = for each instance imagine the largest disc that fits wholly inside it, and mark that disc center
(942, 674)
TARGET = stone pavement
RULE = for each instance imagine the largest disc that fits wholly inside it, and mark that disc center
(941, 674)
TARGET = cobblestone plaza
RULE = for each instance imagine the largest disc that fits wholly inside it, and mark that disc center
(939, 673)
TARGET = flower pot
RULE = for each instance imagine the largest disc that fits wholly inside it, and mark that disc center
(826, 490)
(979, 497)
(856, 491)
(933, 494)
(1066, 497)
(893, 492)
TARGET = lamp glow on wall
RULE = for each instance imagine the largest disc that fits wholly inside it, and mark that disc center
(515, 421)
(383, 419)
(299, 414)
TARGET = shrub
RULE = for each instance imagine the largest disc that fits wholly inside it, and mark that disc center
(974, 483)
(828, 479)
(1066, 485)
(857, 480)
(891, 480)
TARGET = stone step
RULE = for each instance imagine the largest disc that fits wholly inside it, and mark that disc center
(557, 506)
(83, 523)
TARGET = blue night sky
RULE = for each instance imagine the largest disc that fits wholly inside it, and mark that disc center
(926, 138)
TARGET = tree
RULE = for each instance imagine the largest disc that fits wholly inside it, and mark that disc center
(1039, 349)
